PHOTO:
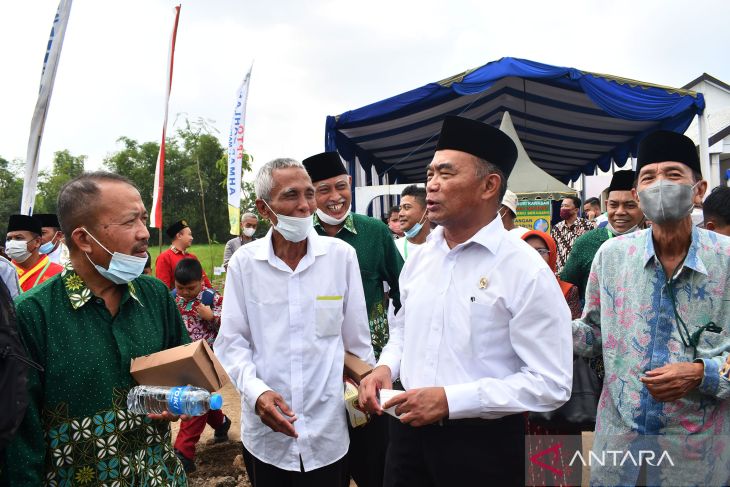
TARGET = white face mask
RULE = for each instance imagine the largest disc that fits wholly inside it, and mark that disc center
(17, 250)
(292, 228)
(249, 232)
(330, 220)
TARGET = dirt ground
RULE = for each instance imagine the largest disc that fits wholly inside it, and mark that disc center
(221, 465)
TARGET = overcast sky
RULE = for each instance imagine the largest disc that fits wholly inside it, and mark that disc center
(314, 59)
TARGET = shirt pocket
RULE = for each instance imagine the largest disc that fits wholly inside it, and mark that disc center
(328, 316)
(485, 331)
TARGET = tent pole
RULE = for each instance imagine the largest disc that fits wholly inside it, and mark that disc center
(705, 152)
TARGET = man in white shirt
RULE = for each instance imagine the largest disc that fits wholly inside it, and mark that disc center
(475, 343)
(282, 341)
(413, 220)
(52, 238)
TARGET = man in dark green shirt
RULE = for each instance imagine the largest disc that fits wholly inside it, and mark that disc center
(379, 262)
(624, 216)
(83, 327)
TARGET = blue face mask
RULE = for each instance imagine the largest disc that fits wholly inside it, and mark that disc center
(47, 247)
(122, 269)
(415, 228)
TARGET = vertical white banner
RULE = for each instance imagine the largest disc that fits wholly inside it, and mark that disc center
(235, 155)
(159, 184)
(48, 76)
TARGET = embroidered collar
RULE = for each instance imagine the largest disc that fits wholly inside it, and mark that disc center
(77, 291)
(349, 224)
(175, 250)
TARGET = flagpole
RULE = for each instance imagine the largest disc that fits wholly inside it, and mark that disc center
(159, 184)
(38, 122)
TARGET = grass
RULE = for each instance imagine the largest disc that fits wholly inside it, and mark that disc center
(209, 256)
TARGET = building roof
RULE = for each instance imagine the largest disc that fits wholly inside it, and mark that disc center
(709, 79)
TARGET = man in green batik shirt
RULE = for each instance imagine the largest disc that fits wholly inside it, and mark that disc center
(379, 261)
(83, 327)
(624, 217)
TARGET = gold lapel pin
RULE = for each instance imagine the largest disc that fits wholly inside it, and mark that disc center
(483, 283)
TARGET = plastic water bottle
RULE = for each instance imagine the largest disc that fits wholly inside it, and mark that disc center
(189, 400)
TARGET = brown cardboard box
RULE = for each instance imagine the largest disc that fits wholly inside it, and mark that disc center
(192, 364)
(355, 368)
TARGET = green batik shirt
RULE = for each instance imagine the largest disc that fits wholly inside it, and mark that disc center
(578, 265)
(77, 430)
(379, 261)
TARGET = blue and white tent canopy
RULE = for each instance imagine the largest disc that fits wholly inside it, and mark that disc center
(570, 121)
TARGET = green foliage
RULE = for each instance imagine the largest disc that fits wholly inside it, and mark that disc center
(65, 168)
(191, 146)
(11, 190)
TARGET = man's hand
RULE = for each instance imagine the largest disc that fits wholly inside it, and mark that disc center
(275, 413)
(168, 416)
(205, 312)
(673, 381)
(419, 407)
(378, 379)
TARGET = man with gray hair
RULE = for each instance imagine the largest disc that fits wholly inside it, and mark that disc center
(294, 305)
(249, 222)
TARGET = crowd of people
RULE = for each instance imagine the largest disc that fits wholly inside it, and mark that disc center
(475, 326)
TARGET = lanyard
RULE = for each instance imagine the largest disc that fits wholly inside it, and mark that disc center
(694, 339)
(405, 250)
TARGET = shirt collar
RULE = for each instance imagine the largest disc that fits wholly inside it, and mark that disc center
(489, 236)
(349, 224)
(175, 250)
(315, 247)
(692, 260)
(79, 294)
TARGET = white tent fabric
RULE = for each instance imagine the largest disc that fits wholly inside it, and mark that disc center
(527, 180)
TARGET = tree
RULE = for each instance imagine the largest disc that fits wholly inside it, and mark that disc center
(182, 192)
(65, 168)
(11, 191)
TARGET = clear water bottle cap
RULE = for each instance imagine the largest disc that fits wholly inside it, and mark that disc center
(216, 402)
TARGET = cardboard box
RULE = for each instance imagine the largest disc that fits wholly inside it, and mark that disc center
(355, 368)
(192, 364)
(355, 415)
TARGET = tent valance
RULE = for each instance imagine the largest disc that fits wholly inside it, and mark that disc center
(569, 121)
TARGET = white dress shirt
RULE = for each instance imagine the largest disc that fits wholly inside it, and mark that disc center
(487, 321)
(288, 331)
(59, 256)
(406, 247)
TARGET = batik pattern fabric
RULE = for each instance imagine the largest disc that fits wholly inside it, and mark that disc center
(77, 429)
(198, 328)
(565, 236)
(112, 447)
(629, 316)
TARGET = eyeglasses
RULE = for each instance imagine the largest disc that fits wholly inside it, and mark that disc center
(543, 251)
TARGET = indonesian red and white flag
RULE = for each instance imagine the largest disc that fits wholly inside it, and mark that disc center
(156, 213)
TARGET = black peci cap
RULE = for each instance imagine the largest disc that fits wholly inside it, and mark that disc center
(622, 181)
(47, 219)
(176, 228)
(324, 166)
(24, 223)
(480, 140)
(665, 146)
